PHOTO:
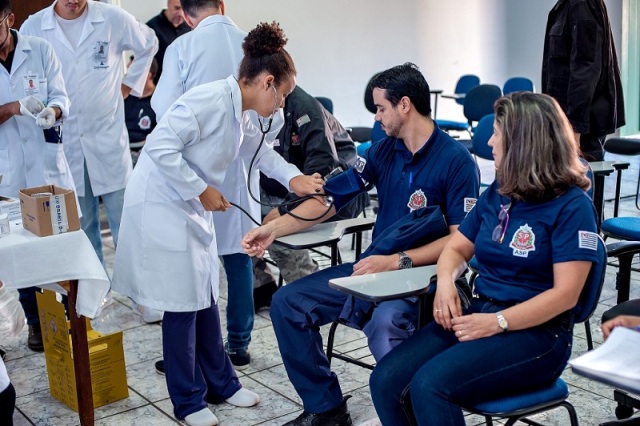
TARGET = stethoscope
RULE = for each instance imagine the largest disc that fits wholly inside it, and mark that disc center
(327, 200)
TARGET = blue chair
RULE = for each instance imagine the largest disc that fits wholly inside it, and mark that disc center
(327, 103)
(516, 407)
(518, 84)
(481, 136)
(464, 84)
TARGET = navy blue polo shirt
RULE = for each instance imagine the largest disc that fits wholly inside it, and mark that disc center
(441, 173)
(538, 235)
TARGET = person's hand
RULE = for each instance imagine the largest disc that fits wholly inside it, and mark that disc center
(273, 214)
(126, 90)
(377, 263)
(11, 310)
(213, 200)
(475, 326)
(256, 241)
(620, 321)
(30, 106)
(46, 118)
(304, 185)
(446, 304)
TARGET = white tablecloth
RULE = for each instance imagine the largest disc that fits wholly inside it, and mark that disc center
(27, 260)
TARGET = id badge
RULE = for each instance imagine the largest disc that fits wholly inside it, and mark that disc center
(31, 84)
(100, 55)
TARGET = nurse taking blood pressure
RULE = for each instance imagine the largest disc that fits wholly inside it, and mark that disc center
(167, 256)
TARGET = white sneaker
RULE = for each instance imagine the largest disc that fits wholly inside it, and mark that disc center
(149, 315)
(244, 398)
(204, 417)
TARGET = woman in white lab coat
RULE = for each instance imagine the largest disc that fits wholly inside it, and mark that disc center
(167, 256)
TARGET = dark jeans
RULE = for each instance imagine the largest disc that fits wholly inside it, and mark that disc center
(592, 147)
(27, 298)
(7, 405)
(444, 374)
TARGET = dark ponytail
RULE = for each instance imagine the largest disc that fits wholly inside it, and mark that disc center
(264, 51)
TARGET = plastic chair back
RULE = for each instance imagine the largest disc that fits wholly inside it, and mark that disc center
(518, 84)
(481, 136)
(479, 101)
(590, 294)
(464, 84)
(326, 103)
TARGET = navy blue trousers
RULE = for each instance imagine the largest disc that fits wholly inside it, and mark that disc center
(299, 310)
(444, 374)
(198, 370)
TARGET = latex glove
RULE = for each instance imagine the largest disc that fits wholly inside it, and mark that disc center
(46, 118)
(30, 106)
(11, 310)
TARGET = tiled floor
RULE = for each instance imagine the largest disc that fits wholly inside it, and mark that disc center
(148, 402)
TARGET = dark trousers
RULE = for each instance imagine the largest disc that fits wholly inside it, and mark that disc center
(299, 310)
(7, 405)
(27, 298)
(592, 147)
(444, 374)
(198, 370)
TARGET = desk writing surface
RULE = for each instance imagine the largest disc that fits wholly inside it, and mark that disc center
(386, 285)
(325, 233)
(27, 260)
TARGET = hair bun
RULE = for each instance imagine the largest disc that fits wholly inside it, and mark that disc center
(265, 39)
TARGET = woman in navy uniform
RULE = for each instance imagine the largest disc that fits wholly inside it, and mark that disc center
(533, 233)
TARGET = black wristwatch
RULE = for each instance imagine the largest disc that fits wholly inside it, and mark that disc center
(405, 261)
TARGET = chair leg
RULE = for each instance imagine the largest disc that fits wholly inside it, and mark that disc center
(587, 329)
(330, 340)
(573, 417)
(623, 277)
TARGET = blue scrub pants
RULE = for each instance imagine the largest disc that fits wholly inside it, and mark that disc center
(444, 374)
(240, 310)
(297, 312)
(197, 369)
(90, 220)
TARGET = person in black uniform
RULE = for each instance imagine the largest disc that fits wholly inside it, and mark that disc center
(580, 69)
(168, 26)
(314, 141)
(138, 114)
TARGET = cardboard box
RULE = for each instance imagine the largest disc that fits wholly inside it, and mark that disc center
(106, 357)
(49, 210)
(11, 207)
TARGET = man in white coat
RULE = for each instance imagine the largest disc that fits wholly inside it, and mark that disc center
(213, 51)
(34, 100)
(89, 38)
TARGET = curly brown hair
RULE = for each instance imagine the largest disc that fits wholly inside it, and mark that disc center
(264, 51)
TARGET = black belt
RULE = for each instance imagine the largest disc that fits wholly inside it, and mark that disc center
(494, 301)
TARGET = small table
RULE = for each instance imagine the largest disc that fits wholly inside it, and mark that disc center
(328, 234)
(27, 260)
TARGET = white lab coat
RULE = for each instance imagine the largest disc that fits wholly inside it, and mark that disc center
(167, 253)
(95, 130)
(25, 158)
(213, 51)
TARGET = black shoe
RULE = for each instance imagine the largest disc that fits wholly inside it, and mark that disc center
(338, 416)
(3, 354)
(160, 367)
(263, 294)
(240, 358)
(34, 342)
(633, 421)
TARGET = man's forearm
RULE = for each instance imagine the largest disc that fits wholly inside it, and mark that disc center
(8, 110)
(311, 209)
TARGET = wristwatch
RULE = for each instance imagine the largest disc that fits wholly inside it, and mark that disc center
(502, 321)
(405, 261)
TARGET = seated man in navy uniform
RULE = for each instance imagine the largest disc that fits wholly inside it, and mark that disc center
(417, 168)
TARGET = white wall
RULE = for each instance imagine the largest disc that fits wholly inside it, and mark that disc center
(338, 45)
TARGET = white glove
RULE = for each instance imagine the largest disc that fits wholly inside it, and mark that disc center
(11, 310)
(30, 106)
(46, 118)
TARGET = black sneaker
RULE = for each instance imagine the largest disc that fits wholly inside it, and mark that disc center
(160, 367)
(240, 358)
(34, 342)
(338, 416)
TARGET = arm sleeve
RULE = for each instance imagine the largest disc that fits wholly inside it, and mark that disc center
(143, 42)
(57, 93)
(165, 144)
(170, 86)
(585, 65)
(574, 236)
(463, 185)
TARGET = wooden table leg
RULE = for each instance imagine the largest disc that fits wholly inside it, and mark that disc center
(81, 358)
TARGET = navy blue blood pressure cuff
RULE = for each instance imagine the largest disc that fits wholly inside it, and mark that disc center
(53, 135)
(344, 187)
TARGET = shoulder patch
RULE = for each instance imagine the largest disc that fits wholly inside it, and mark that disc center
(303, 120)
(469, 204)
(588, 240)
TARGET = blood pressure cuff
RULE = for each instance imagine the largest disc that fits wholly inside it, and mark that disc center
(343, 188)
(53, 135)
